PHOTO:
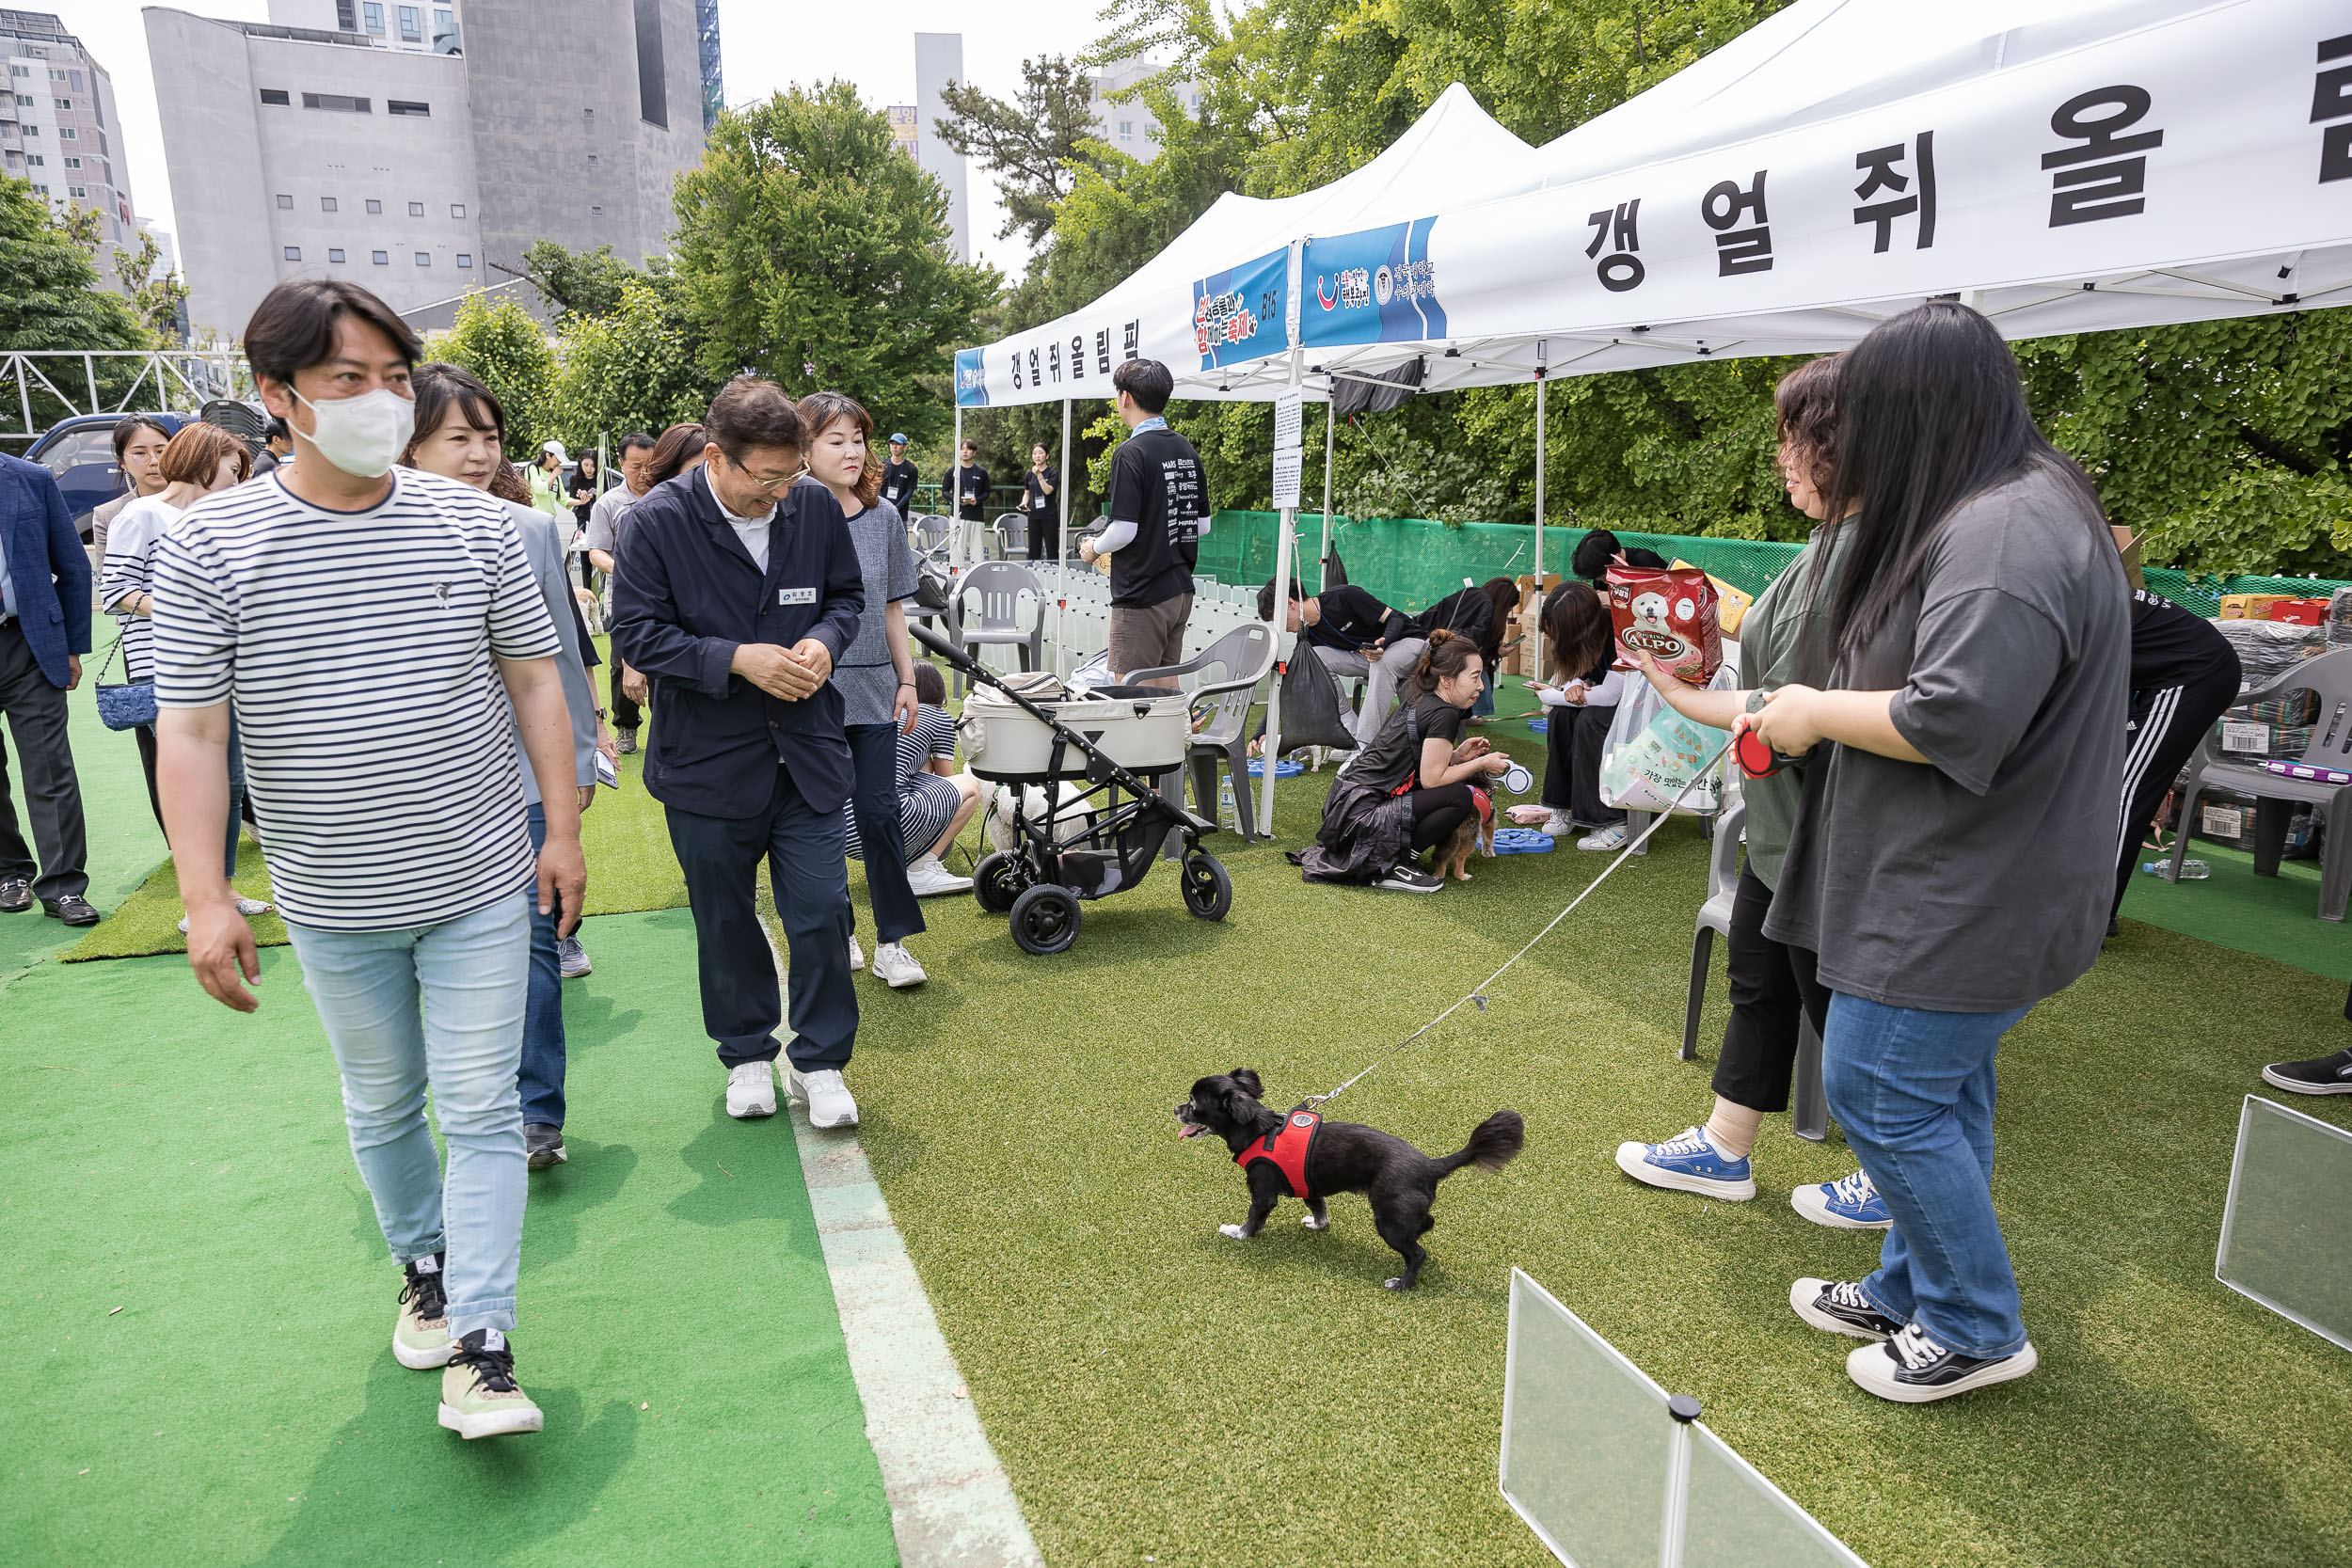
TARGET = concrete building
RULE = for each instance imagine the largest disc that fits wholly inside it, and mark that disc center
(1130, 126)
(58, 127)
(420, 170)
(939, 60)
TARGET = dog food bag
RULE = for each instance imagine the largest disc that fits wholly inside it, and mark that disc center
(1673, 615)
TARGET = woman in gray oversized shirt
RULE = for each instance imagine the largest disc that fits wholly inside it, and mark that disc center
(1952, 862)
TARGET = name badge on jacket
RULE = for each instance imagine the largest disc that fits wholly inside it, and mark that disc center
(796, 596)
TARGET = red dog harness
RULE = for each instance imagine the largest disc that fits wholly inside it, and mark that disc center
(1285, 1148)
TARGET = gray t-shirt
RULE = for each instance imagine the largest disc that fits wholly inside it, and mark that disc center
(1981, 882)
(1783, 638)
(868, 679)
(604, 518)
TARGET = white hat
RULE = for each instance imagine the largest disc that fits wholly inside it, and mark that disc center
(557, 448)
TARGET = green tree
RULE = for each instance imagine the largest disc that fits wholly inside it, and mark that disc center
(50, 298)
(812, 251)
(159, 299)
(637, 367)
(510, 352)
(1034, 144)
(579, 285)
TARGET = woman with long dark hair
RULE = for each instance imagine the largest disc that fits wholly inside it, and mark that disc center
(140, 440)
(680, 448)
(1410, 786)
(1954, 857)
(1581, 642)
(875, 675)
(1773, 986)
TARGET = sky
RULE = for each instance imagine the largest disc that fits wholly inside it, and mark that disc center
(764, 46)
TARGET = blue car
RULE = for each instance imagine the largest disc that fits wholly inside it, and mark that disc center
(81, 453)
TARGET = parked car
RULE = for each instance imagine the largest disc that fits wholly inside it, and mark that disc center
(81, 453)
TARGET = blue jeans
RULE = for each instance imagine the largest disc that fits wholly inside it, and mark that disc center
(542, 1079)
(1914, 1092)
(874, 750)
(439, 1006)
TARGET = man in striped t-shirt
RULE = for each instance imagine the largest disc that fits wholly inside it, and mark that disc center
(371, 629)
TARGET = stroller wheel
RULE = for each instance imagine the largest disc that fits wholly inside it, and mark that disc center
(1045, 919)
(1208, 890)
(998, 880)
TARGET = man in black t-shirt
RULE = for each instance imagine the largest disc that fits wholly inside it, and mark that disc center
(898, 476)
(1158, 505)
(1347, 628)
(969, 483)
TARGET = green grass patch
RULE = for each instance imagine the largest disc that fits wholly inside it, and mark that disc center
(197, 1363)
(1154, 1388)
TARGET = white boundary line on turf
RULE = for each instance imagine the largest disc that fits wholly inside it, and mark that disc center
(950, 1503)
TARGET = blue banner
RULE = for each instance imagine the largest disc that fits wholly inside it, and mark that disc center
(1376, 286)
(971, 379)
(1238, 315)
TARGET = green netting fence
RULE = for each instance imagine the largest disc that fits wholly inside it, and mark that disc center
(1412, 564)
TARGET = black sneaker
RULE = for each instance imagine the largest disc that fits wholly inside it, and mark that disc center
(1911, 1369)
(1838, 1306)
(542, 1145)
(16, 896)
(73, 908)
(2320, 1075)
(1409, 879)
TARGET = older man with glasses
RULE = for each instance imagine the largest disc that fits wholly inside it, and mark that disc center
(735, 592)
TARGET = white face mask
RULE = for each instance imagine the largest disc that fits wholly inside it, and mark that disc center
(362, 435)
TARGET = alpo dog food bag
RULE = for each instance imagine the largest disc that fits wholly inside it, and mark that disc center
(1671, 616)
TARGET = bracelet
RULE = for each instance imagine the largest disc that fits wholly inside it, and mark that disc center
(906, 686)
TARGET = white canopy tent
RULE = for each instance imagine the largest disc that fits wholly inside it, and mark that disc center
(2065, 165)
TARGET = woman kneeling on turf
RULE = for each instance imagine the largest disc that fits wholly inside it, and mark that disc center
(1409, 788)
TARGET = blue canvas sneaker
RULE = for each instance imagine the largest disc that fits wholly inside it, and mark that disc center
(1689, 1163)
(1849, 1203)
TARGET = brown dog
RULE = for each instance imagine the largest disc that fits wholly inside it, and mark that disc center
(1477, 833)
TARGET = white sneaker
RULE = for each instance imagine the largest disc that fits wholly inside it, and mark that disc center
(894, 964)
(928, 878)
(825, 1095)
(1608, 838)
(857, 955)
(1557, 824)
(752, 1090)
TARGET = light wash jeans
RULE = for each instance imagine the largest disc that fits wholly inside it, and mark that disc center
(1914, 1092)
(438, 1005)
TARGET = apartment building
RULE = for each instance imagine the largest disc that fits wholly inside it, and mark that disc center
(58, 128)
(1131, 126)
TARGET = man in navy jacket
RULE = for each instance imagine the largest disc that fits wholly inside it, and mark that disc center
(734, 592)
(44, 630)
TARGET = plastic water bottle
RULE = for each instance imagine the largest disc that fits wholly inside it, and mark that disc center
(2191, 871)
(1228, 814)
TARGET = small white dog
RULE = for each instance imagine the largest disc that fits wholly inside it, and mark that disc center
(996, 828)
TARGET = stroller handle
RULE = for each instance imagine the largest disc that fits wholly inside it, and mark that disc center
(944, 648)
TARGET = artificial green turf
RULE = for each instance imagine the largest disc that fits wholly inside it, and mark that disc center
(1157, 1389)
(625, 835)
(187, 1166)
(2275, 916)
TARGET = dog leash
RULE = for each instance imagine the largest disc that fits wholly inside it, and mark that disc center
(1478, 994)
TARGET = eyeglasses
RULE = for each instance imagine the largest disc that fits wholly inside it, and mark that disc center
(775, 486)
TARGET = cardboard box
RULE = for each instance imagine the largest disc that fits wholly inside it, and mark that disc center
(2247, 607)
(2300, 612)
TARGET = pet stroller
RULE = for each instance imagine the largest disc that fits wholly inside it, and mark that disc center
(1112, 745)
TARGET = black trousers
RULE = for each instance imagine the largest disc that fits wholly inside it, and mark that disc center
(626, 712)
(1437, 812)
(35, 712)
(1045, 536)
(874, 753)
(2167, 723)
(1772, 987)
(1592, 736)
(806, 852)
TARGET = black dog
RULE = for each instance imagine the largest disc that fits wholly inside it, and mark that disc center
(1400, 1179)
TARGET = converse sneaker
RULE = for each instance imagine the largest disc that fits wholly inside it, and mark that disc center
(1849, 1203)
(928, 878)
(571, 959)
(894, 965)
(825, 1095)
(857, 955)
(752, 1090)
(1841, 1308)
(1911, 1369)
(1612, 837)
(1689, 1163)
(1408, 877)
(480, 1396)
(2320, 1075)
(420, 1332)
